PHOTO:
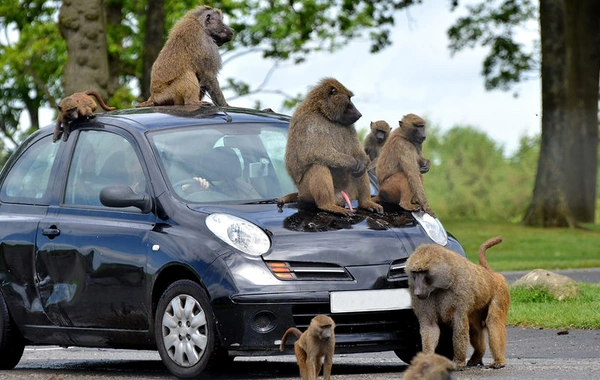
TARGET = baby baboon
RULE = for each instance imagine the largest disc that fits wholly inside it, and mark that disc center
(400, 165)
(376, 138)
(429, 367)
(324, 155)
(76, 106)
(314, 345)
(188, 64)
(447, 288)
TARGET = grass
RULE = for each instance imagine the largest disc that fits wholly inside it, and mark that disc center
(536, 308)
(527, 248)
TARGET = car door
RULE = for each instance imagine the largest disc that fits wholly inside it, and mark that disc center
(25, 196)
(91, 261)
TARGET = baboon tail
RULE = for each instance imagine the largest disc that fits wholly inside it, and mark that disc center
(487, 244)
(291, 330)
(290, 198)
(100, 101)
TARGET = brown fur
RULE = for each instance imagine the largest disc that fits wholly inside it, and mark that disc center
(429, 367)
(446, 288)
(317, 343)
(76, 106)
(380, 131)
(188, 64)
(324, 155)
(400, 165)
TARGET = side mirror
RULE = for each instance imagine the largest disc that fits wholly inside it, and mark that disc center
(123, 196)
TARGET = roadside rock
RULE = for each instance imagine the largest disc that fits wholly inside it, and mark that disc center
(559, 286)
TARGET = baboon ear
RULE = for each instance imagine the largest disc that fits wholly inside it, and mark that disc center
(59, 108)
(400, 122)
(332, 91)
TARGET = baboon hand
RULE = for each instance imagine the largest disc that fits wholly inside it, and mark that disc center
(361, 167)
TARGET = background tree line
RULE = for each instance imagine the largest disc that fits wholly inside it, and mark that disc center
(53, 48)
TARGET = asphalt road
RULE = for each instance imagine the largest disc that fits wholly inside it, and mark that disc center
(532, 354)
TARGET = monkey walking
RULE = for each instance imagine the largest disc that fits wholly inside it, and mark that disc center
(323, 153)
(401, 164)
(76, 106)
(429, 367)
(314, 348)
(447, 288)
(187, 66)
(380, 131)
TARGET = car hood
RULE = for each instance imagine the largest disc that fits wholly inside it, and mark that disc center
(309, 235)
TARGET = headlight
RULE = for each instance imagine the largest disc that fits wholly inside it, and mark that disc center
(432, 226)
(239, 233)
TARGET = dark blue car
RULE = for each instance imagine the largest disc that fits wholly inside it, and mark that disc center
(158, 228)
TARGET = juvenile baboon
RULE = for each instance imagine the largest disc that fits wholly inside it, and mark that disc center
(76, 106)
(313, 346)
(429, 367)
(324, 155)
(446, 288)
(380, 131)
(187, 66)
(400, 165)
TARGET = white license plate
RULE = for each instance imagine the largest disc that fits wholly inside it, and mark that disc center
(369, 300)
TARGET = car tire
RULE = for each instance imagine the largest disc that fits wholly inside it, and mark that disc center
(444, 347)
(185, 329)
(12, 343)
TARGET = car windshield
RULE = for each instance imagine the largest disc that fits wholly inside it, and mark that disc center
(225, 162)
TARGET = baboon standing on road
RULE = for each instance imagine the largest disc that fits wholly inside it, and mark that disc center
(447, 288)
(313, 346)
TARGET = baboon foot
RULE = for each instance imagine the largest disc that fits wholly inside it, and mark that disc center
(335, 209)
(410, 207)
(372, 206)
(497, 365)
(474, 363)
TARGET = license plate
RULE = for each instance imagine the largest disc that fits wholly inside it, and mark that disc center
(369, 300)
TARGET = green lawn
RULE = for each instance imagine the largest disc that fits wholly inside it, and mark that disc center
(526, 248)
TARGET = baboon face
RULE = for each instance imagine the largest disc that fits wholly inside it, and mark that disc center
(414, 127)
(69, 108)
(323, 327)
(212, 19)
(336, 104)
(421, 284)
(381, 129)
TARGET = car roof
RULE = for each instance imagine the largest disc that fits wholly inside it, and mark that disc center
(164, 117)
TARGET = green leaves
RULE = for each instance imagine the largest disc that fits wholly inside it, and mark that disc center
(498, 26)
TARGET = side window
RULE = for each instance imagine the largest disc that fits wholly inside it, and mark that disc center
(102, 159)
(29, 178)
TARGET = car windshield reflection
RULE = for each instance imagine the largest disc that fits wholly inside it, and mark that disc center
(242, 163)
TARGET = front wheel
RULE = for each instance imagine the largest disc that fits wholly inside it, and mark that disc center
(11, 341)
(185, 329)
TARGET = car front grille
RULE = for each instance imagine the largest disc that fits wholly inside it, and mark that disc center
(354, 327)
(289, 270)
(398, 270)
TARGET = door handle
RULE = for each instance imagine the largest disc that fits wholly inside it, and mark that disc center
(51, 232)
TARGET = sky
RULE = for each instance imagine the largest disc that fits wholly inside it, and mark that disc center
(417, 74)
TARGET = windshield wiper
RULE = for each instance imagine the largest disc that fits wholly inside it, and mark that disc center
(263, 202)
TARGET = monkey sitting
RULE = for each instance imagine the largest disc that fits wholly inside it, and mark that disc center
(313, 346)
(380, 131)
(447, 288)
(401, 164)
(187, 66)
(429, 367)
(323, 153)
(77, 106)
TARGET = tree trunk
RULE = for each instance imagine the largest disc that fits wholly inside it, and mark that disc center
(153, 41)
(583, 65)
(114, 18)
(82, 25)
(565, 185)
(549, 207)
